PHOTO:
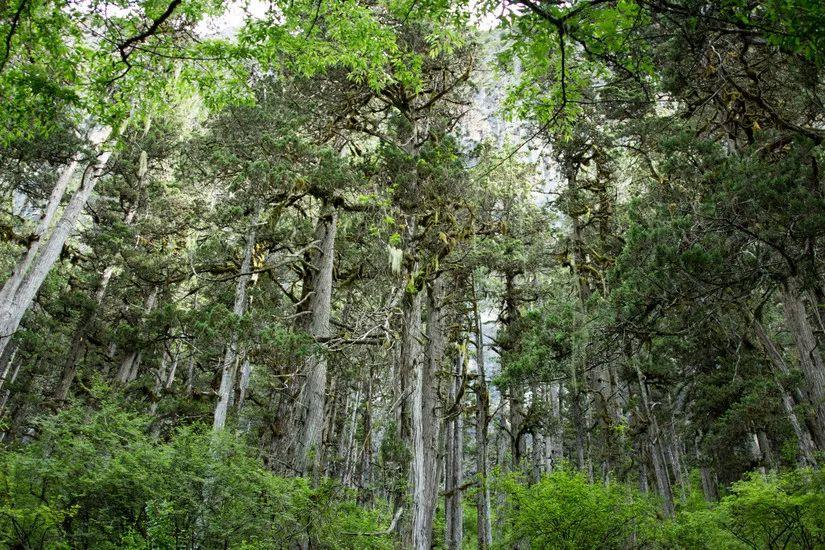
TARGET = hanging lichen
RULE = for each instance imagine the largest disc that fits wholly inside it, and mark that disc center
(395, 257)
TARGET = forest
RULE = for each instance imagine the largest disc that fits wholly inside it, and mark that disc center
(379, 274)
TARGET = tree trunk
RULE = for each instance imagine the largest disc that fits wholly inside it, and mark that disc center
(590, 380)
(7, 361)
(160, 380)
(349, 462)
(709, 484)
(365, 468)
(131, 363)
(243, 384)
(12, 284)
(578, 418)
(674, 454)
(19, 301)
(804, 437)
(238, 309)
(805, 443)
(454, 461)
(484, 523)
(15, 370)
(78, 339)
(655, 447)
(313, 394)
(810, 358)
(408, 364)
(553, 441)
(425, 420)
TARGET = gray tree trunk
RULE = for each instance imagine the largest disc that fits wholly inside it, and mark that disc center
(484, 525)
(365, 468)
(243, 384)
(409, 361)
(350, 450)
(804, 437)
(131, 363)
(656, 447)
(313, 394)
(8, 361)
(454, 459)
(553, 441)
(709, 484)
(810, 358)
(12, 284)
(160, 380)
(4, 397)
(230, 355)
(18, 302)
(425, 422)
(78, 339)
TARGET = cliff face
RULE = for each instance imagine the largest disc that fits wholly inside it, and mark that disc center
(487, 120)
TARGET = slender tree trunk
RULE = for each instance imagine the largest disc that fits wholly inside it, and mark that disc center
(365, 468)
(536, 455)
(674, 453)
(12, 284)
(160, 380)
(454, 461)
(709, 484)
(765, 451)
(644, 483)
(655, 446)
(230, 355)
(78, 339)
(18, 413)
(595, 378)
(807, 449)
(313, 394)
(8, 362)
(518, 444)
(131, 363)
(349, 463)
(14, 367)
(408, 364)
(578, 418)
(804, 437)
(553, 441)
(425, 422)
(484, 523)
(19, 301)
(706, 473)
(243, 384)
(810, 358)
(515, 403)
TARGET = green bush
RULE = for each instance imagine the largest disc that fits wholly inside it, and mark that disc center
(763, 511)
(96, 479)
(565, 511)
(773, 511)
(778, 510)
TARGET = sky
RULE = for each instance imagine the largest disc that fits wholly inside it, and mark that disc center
(231, 20)
(228, 23)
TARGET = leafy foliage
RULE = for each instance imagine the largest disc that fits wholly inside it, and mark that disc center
(95, 478)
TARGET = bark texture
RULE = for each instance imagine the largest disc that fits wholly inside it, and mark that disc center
(425, 419)
(230, 355)
(313, 395)
(20, 294)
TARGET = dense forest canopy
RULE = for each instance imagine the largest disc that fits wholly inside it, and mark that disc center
(412, 274)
